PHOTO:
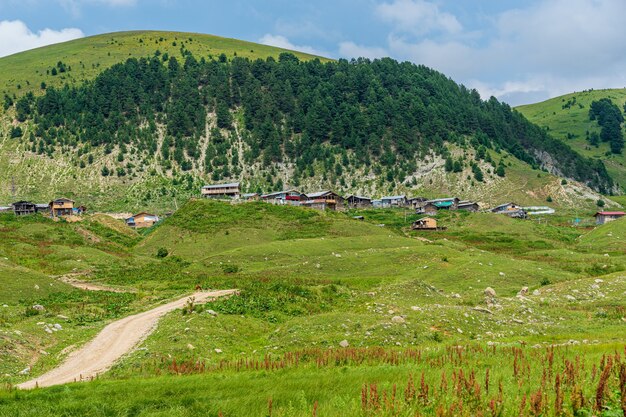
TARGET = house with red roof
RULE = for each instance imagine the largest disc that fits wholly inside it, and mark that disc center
(608, 216)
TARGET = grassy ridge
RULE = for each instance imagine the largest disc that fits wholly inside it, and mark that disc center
(89, 56)
(567, 118)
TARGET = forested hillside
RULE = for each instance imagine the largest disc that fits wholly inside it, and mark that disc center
(222, 118)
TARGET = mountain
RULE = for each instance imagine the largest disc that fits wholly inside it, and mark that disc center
(148, 117)
(567, 118)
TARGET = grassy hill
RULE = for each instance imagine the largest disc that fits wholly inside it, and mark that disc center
(87, 57)
(309, 281)
(567, 118)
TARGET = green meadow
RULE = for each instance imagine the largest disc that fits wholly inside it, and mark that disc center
(335, 316)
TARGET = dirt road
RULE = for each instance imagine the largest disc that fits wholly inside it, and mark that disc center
(113, 342)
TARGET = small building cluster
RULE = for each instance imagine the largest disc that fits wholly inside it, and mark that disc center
(142, 220)
(61, 207)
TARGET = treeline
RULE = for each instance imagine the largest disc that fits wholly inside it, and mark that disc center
(321, 116)
(609, 117)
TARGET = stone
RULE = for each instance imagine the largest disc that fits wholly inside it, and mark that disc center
(218, 350)
(398, 319)
(490, 292)
(38, 307)
(570, 298)
(36, 286)
(523, 291)
(536, 292)
(58, 326)
(344, 343)
(416, 308)
(502, 274)
(212, 312)
(4, 305)
(190, 346)
(25, 371)
(47, 330)
(482, 310)
(456, 295)
(518, 321)
(61, 316)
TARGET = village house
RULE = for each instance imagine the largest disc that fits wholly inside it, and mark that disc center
(250, 197)
(355, 201)
(61, 207)
(394, 201)
(416, 202)
(221, 191)
(24, 208)
(286, 197)
(445, 203)
(511, 210)
(377, 203)
(425, 223)
(603, 217)
(468, 206)
(427, 208)
(142, 220)
(324, 200)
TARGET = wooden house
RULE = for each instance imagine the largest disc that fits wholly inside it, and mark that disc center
(250, 197)
(221, 191)
(24, 208)
(356, 201)
(468, 206)
(603, 217)
(416, 202)
(445, 203)
(394, 201)
(427, 208)
(142, 220)
(324, 200)
(511, 210)
(377, 203)
(62, 207)
(284, 198)
(425, 223)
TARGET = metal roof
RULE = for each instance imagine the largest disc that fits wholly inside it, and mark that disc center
(436, 200)
(318, 194)
(228, 185)
(358, 196)
(610, 213)
(394, 197)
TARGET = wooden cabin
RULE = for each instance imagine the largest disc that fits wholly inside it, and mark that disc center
(425, 223)
(451, 203)
(284, 198)
(394, 201)
(427, 208)
(603, 217)
(468, 206)
(24, 208)
(62, 207)
(511, 210)
(358, 202)
(142, 220)
(416, 202)
(221, 191)
(324, 200)
(250, 197)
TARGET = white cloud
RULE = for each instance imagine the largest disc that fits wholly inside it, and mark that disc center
(418, 16)
(352, 50)
(280, 41)
(545, 49)
(15, 36)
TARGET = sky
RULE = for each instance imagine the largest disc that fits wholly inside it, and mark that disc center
(518, 51)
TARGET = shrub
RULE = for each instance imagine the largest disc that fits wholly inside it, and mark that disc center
(162, 253)
(545, 281)
(600, 203)
(230, 268)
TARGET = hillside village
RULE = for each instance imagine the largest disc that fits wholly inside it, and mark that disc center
(319, 200)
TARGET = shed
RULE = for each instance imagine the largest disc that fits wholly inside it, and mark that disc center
(142, 220)
(394, 201)
(468, 206)
(425, 223)
(24, 208)
(428, 208)
(356, 201)
(603, 217)
(285, 197)
(451, 203)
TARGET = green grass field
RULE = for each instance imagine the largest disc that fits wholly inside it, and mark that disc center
(571, 122)
(407, 303)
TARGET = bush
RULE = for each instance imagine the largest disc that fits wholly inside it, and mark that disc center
(16, 132)
(162, 253)
(230, 268)
(545, 281)
(600, 203)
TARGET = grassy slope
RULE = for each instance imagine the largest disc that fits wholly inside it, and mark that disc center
(88, 56)
(310, 280)
(575, 121)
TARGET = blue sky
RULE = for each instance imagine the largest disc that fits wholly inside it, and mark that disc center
(519, 51)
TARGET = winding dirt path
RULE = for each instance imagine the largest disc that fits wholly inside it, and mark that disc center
(113, 342)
